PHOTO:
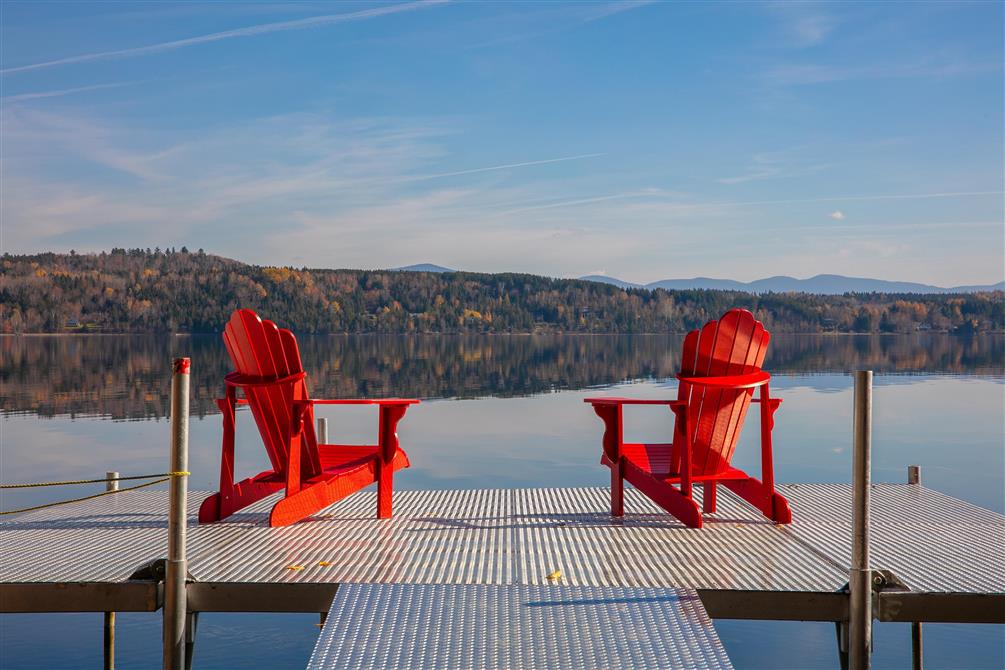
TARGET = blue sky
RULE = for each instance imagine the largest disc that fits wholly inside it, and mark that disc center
(641, 140)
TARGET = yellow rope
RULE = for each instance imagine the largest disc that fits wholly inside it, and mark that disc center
(166, 477)
(179, 473)
(96, 495)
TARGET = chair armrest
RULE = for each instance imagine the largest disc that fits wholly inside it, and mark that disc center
(251, 381)
(747, 381)
(361, 401)
(633, 401)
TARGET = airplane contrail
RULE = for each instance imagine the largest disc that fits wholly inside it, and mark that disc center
(905, 196)
(504, 167)
(298, 24)
(61, 92)
(649, 194)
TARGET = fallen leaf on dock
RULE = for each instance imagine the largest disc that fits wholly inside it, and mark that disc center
(555, 576)
(294, 567)
(324, 563)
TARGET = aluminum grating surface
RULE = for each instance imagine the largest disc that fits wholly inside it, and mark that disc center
(516, 626)
(100, 540)
(931, 541)
(513, 536)
(519, 536)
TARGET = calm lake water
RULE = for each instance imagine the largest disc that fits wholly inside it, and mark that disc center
(499, 411)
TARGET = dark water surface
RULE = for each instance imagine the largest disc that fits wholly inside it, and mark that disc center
(501, 411)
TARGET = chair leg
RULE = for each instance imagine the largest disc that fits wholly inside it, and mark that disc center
(219, 506)
(618, 489)
(385, 475)
(771, 503)
(708, 497)
(666, 495)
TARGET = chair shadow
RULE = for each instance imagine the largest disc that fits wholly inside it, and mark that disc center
(577, 520)
(622, 600)
(119, 520)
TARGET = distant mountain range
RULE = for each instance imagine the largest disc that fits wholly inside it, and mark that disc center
(819, 285)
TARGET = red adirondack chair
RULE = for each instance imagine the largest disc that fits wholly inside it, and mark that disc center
(269, 372)
(720, 368)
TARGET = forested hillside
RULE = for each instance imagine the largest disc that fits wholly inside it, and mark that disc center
(148, 291)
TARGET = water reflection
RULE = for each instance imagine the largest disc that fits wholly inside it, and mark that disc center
(947, 416)
(125, 377)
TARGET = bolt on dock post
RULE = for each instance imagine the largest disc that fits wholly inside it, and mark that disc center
(860, 579)
(111, 484)
(174, 581)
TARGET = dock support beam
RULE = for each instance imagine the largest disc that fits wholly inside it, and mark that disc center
(109, 638)
(917, 658)
(175, 604)
(860, 579)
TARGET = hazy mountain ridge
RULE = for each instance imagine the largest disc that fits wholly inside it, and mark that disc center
(423, 267)
(824, 284)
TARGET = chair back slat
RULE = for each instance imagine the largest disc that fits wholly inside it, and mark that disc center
(311, 454)
(261, 349)
(242, 355)
(733, 345)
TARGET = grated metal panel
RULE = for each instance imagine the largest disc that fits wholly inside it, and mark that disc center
(100, 540)
(485, 626)
(931, 541)
(519, 536)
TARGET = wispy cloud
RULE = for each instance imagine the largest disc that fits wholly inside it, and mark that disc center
(806, 24)
(507, 166)
(319, 190)
(610, 9)
(842, 198)
(249, 31)
(28, 130)
(762, 173)
(837, 215)
(556, 17)
(672, 200)
(577, 201)
(769, 165)
(808, 74)
(21, 97)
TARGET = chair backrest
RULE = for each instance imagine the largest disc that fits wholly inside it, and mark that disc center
(733, 345)
(259, 348)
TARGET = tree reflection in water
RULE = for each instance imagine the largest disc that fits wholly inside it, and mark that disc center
(127, 376)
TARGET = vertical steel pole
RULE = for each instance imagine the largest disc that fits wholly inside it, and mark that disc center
(917, 662)
(109, 638)
(174, 581)
(860, 579)
(322, 431)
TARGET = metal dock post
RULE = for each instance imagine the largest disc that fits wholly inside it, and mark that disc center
(917, 651)
(860, 578)
(109, 638)
(174, 582)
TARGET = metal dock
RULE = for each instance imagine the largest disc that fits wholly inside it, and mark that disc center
(516, 626)
(943, 555)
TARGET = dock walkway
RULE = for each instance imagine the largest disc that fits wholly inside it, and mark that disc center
(516, 626)
(942, 555)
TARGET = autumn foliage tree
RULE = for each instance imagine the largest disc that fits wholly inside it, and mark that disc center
(144, 291)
